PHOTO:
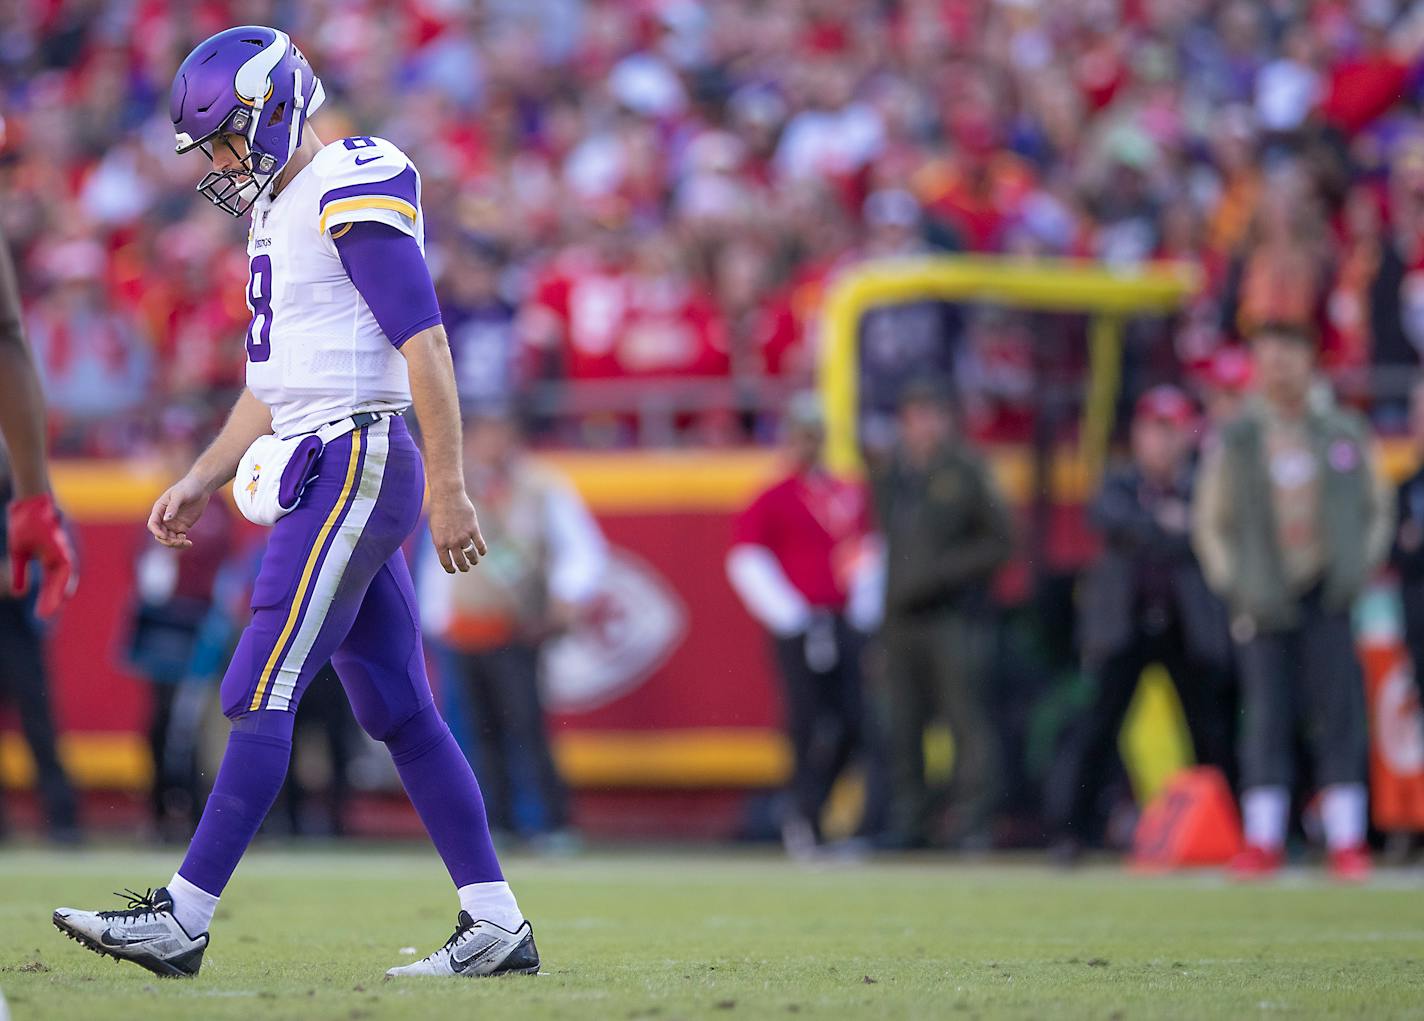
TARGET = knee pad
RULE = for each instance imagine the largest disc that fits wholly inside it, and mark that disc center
(272, 724)
(417, 734)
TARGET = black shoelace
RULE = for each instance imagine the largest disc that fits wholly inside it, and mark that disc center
(460, 930)
(141, 906)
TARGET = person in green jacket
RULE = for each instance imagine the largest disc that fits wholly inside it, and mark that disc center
(1292, 517)
(946, 532)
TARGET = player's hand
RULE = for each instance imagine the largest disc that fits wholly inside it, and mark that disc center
(36, 534)
(177, 510)
(456, 532)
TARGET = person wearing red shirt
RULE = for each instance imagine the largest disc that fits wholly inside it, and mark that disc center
(804, 565)
(610, 311)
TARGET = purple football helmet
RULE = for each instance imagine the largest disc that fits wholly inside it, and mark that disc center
(250, 81)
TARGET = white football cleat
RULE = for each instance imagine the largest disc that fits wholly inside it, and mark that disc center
(476, 950)
(145, 933)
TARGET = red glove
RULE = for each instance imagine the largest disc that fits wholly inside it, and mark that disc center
(35, 534)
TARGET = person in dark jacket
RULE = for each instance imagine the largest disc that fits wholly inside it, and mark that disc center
(946, 532)
(1144, 601)
(1407, 550)
(1406, 556)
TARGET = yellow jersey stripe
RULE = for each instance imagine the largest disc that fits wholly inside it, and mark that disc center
(266, 676)
(368, 202)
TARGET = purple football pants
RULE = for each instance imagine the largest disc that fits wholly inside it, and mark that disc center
(334, 585)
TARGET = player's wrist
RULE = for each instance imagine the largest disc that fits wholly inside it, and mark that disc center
(448, 488)
(204, 478)
(29, 485)
(34, 503)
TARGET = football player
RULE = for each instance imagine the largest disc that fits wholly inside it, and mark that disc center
(33, 527)
(345, 336)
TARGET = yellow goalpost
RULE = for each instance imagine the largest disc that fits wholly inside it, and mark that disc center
(1153, 739)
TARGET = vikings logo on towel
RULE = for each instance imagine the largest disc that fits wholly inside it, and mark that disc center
(296, 624)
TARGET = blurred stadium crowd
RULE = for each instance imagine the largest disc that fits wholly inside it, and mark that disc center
(620, 192)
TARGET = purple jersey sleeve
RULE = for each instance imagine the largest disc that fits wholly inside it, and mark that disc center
(388, 269)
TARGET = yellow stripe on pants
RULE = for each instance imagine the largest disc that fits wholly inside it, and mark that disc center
(266, 675)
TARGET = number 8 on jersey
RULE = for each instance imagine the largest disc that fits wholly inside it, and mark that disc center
(259, 300)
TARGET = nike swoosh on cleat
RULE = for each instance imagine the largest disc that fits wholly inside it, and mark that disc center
(362, 162)
(105, 939)
(462, 965)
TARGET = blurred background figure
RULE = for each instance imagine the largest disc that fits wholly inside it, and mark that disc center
(1144, 602)
(1406, 556)
(1292, 517)
(94, 361)
(480, 321)
(24, 684)
(546, 562)
(1407, 551)
(34, 533)
(316, 796)
(804, 565)
(31, 534)
(1223, 385)
(178, 636)
(946, 533)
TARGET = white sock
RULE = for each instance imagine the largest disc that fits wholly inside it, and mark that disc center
(1343, 807)
(192, 905)
(492, 902)
(1264, 811)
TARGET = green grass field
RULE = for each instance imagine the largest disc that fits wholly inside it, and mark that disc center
(308, 934)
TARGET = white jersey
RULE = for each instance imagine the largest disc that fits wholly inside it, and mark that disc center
(315, 353)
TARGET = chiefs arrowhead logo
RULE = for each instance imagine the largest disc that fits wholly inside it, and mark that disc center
(633, 625)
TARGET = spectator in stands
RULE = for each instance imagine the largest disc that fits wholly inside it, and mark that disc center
(1396, 311)
(480, 320)
(899, 341)
(804, 565)
(946, 532)
(1364, 267)
(24, 684)
(1223, 384)
(94, 362)
(1291, 518)
(1143, 602)
(547, 558)
(759, 126)
(1283, 273)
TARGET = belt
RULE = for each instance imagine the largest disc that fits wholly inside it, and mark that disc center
(360, 420)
